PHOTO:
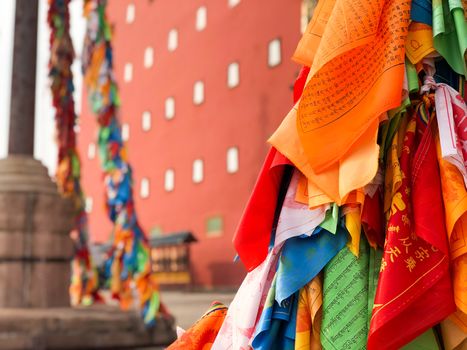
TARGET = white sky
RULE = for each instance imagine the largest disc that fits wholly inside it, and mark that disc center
(44, 142)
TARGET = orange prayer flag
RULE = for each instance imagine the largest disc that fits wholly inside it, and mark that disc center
(301, 195)
(353, 223)
(356, 169)
(419, 42)
(460, 319)
(203, 333)
(455, 205)
(309, 43)
(309, 314)
(357, 75)
(453, 336)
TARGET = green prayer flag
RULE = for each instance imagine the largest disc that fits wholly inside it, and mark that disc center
(374, 265)
(114, 95)
(348, 293)
(75, 165)
(96, 102)
(426, 341)
(389, 128)
(154, 304)
(450, 33)
(412, 76)
(330, 220)
(349, 289)
(142, 257)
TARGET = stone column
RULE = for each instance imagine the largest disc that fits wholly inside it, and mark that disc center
(35, 221)
(23, 81)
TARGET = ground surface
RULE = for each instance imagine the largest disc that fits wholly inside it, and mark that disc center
(100, 326)
(189, 307)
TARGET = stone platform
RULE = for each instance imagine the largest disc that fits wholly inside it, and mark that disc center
(96, 327)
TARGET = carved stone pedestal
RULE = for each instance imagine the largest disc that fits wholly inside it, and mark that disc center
(35, 246)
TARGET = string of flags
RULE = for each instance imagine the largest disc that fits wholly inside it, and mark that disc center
(84, 281)
(129, 260)
(355, 234)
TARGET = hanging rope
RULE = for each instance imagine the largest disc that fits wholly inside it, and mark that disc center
(84, 282)
(130, 255)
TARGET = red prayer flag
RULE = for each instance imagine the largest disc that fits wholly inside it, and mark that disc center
(372, 219)
(253, 234)
(300, 83)
(414, 290)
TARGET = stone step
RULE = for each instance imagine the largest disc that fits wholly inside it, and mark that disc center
(96, 327)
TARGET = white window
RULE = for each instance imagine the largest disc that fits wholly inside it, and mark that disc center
(169, 180)
(233, 75)
(127, 72)
(233, 3)
(172, 41)
(91, 150)
(201, 18)
(144, 188)
(88, 205)
(198, 92)
(198, 171)
(148, 57)
(125, 132)
(232, 160)
(274, 53)
(169, 108)
(130, 13)
(146, 121)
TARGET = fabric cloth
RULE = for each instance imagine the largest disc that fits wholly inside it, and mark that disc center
(247, 305)
(451, 114)
(309, 315)
(421, 11)
(426, 341)
(419, 43)
(253, 234)
(355, 76)
(295, 218)
(357, 168)
(453, 336)
(450, 33)
(348, 293)
(276, 327)
(201, 335)
(455, 204)
(353, 223)
(372, 218)
(303, 258)
(414, 290)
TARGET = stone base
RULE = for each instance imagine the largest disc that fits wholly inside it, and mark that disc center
(96, 327)
(35, 244)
